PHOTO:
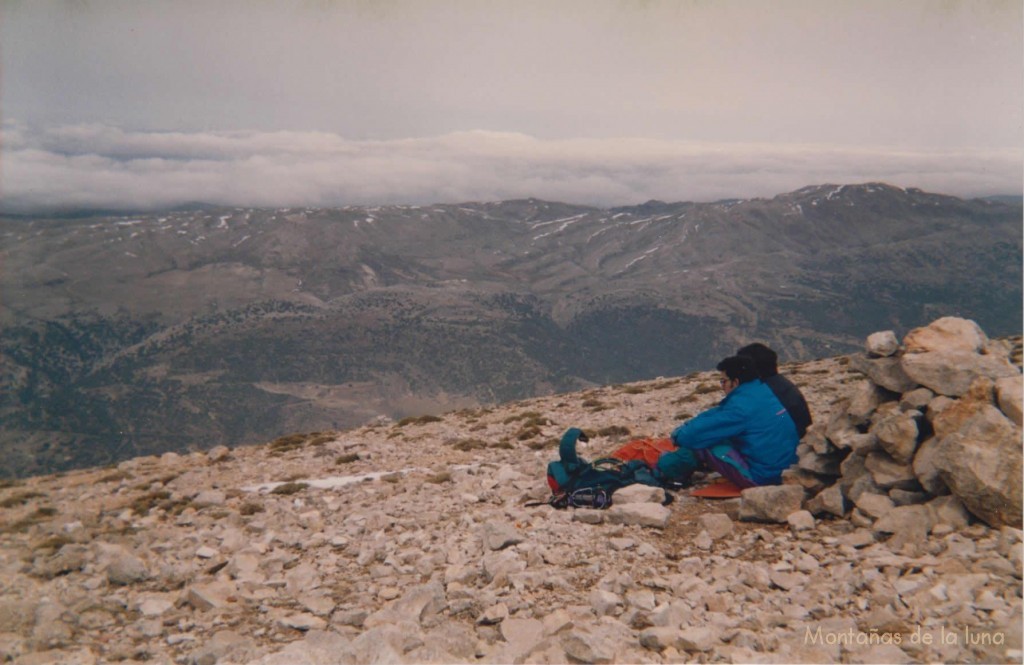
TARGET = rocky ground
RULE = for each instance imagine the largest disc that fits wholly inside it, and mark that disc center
(416, 542)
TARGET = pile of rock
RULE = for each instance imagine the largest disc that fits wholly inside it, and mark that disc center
(931, 440)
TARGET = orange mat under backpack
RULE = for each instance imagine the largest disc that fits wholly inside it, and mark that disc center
(646, 450)
(720, 489)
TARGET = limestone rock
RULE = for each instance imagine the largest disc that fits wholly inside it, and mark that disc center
(937, 406)
(503, 563)
(499, 535)
(772, 503)
(906, 497)
(958, 412)
(643, 599)
(639, 493)
(224, 645)
(952, 372)
(303, 621)
(858, 539)
(643, 514)
(717, 525)
(844, 435)
(828, 501)
(981, 464)
(1008, 392)
(154, 604)
(493, 614)
(697, 638)
(659, 638)
(522, 635)
(826, 465)
(588, 516)
(810, 481)
(218, 453)
(586, 646)
(244, 565)
(862, 404)
(605, 602)
(125, 568)
(925, 471)
(50, 630)
(917, 399)
(875, 505)
(887, 473)
(897, 434)
(211, 595)
(422, 602)
(209, 498)
(950, 510)
(905, 518)
(67, 559)
(885, 372)
(816, 439)
(349, 617)
(324, 647)
(206, 552)
(785, 581)
(948, 333)
(882, 343)
(801, 520)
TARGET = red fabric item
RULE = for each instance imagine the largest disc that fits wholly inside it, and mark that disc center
(646, 450)
(723, 489)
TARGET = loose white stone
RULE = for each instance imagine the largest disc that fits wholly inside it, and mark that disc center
(801, 520)
(717, 525)
(206, 552)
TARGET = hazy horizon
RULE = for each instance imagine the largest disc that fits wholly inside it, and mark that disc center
(122, 105)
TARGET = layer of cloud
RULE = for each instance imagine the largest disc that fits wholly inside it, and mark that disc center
(97, 166)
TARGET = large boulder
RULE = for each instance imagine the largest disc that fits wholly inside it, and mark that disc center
(950, 333)
(981, 463)
(952, 372)
(952, 416)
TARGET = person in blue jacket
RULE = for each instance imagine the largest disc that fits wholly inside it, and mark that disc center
(749, 438)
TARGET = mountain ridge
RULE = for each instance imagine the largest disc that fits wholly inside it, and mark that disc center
(117, 329)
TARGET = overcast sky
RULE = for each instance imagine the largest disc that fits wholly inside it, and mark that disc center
(608, 102)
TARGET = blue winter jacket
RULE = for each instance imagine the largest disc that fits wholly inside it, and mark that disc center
(753, 420)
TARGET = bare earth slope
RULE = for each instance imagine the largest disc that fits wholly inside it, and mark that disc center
(413, 542)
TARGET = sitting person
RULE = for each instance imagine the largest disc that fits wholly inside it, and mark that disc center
(749, 438)
(766, 362)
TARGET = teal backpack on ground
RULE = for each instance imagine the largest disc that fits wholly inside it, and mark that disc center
(578, 483)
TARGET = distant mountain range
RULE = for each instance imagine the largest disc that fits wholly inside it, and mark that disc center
(134, 334)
